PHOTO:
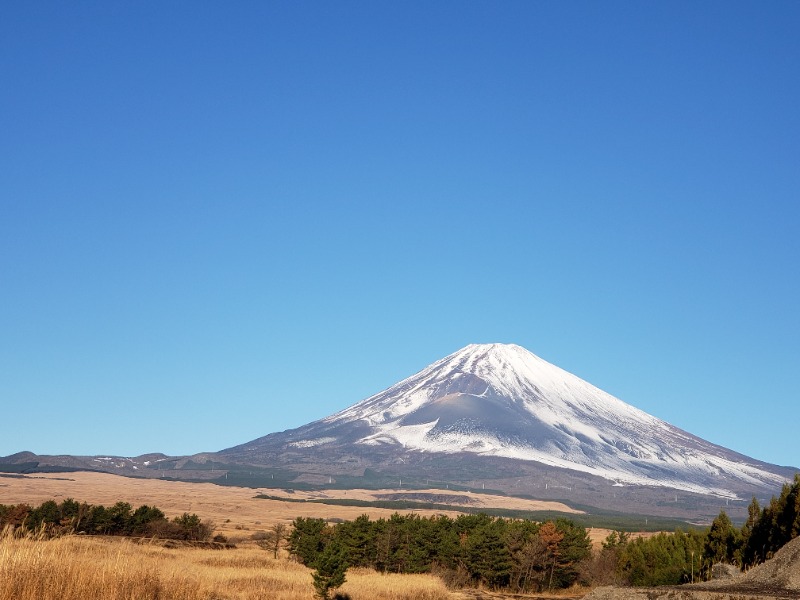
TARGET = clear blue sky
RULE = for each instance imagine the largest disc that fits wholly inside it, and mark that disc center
(223, 220)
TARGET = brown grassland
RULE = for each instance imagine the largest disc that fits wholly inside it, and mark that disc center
(96, 568)
(234, 511)
(81, 568)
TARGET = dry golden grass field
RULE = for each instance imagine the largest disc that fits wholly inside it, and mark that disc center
(234, 511)
(95, 568)
(81, 568)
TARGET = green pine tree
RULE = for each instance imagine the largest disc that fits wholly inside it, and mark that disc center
(488, 557)
(331, 567)
(722, 540)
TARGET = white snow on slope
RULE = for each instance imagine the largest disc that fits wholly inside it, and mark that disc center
(588, 429)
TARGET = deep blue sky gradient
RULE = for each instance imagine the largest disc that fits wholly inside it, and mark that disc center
(223, 220)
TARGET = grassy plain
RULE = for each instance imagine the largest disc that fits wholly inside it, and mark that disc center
(94, 568)
(234, 511)
(81, 568)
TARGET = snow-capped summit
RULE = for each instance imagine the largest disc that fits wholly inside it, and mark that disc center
(500, 400)
(504, 374)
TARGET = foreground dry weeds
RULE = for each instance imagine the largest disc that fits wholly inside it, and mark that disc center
(80, 568)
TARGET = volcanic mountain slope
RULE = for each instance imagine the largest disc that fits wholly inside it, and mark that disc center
(498, 401)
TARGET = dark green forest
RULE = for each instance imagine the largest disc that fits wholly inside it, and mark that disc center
(523, 555)
(467, 550)
(51, 519)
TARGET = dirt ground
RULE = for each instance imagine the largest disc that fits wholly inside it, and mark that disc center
(779, 576)
(487, 595)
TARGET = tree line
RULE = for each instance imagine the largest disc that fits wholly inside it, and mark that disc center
(468, 550)
(672, 559)
(765, 532)
(525, 556)
(70, 516)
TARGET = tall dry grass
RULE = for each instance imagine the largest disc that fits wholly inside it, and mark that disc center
(85, 568)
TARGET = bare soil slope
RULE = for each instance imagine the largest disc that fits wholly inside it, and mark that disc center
(779, 574)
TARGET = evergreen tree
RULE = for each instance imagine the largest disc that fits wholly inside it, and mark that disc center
(488, 557)
(495, 552)
(73, 513)
(528, 555)
(788, 518)
(357, 537)
(98, 521)
(306, 540)
(143, 518)
(46, 514)
(778, 523)
(444, 542)
(119, 517)
(331, 566)
(753, 514)
(722, 541)
(616, 539)
(575, 547)
(192, 528)
(664, 559)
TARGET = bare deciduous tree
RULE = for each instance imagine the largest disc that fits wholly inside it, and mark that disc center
(274, 538)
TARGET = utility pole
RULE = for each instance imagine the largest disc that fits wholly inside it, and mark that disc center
(692, 566)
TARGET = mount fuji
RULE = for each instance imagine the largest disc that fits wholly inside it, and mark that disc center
(502, 413)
